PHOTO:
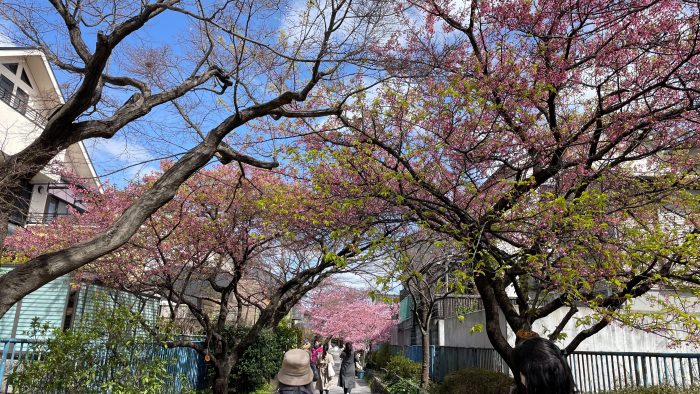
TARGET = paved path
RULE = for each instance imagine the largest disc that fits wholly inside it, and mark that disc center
(361, 386)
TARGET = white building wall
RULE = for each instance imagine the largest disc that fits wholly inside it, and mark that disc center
(614, 338)
(16, 131)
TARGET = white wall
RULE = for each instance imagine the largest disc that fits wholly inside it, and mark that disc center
(16, 131)
(613, 338)
(457, 333)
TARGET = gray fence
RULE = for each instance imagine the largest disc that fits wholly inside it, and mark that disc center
(593, 372)
(600, 371)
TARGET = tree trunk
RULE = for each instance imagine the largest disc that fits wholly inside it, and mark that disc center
(4, 222)
(493, 329)
(493, 320)
(425, 370)
(222, 371)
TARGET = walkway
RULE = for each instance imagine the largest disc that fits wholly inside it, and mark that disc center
(361, 386)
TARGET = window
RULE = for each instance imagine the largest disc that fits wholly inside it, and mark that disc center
(20, 208)
(25, 78)
(6, 87)
(55, 207)
(21, 101)
(12, 67)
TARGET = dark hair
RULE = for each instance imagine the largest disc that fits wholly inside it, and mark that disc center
(325, 348)
(544, 367)
(348, 348)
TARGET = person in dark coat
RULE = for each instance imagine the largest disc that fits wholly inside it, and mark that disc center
(543, 368)
(346, 378)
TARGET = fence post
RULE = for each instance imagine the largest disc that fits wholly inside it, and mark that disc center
(5, 350)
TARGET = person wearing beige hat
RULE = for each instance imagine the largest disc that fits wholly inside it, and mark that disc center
(295, 375)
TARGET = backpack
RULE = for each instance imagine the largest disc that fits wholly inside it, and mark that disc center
(294, 390)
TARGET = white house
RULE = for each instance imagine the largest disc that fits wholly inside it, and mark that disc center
(28, 94)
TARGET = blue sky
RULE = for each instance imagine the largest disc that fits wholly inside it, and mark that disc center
(161, 134)
(138, 149)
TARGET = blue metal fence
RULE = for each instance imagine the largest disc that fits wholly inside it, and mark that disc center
(415, 353)
(593, 372)
(187, 363)
(14, 351)
(600, 371)
(444, 359)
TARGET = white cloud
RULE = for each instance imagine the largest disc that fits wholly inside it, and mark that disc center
(121, 160)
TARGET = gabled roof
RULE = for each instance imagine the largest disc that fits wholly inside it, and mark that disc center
(40, 69)
(38, 65)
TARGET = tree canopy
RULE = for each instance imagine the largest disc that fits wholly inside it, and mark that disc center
(555, 143)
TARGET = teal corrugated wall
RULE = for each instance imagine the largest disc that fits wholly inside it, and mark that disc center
(405, 307)
(89, 294)
(48, 303)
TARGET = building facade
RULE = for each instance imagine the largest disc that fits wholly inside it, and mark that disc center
(29, 93)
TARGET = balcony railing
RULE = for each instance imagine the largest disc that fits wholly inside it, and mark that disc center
(458, 305)
(22, 107)
(43, 218)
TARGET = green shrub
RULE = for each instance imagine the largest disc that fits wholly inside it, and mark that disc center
(475, 381)
(403, 386)
(657, 390)
(378, 359)
(265, 389)
(68, 358)
(402, 367)
(262, 360)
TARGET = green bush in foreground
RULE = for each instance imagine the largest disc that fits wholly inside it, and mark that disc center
(475, 381)
(107, 355)
(403, 368)
(657, 390)
(402, 375)
(262, 360)
(378, 359)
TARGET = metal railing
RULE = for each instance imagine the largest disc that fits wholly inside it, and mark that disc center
(43, 218)
(602, 371)
(187, 362)
(14, 352)
(459, 305)
(593, 372)
(22, 106)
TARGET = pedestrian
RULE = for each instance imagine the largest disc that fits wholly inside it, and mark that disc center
(325, 370)
(543, 368)
(359, 357)
(316, 349)
(346, 378)
(295, 375)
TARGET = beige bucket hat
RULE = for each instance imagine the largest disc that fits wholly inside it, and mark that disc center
(296, 368)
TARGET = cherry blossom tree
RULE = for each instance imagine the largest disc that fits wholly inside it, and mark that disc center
(423, 263)
(555, 143)
(242, 63)
(231, 251)
(340, 311)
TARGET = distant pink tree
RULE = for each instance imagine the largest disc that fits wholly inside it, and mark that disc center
(232, 249)
(344, 312)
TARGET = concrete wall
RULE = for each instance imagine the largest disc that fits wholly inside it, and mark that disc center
(614, 338)
(457, 333)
